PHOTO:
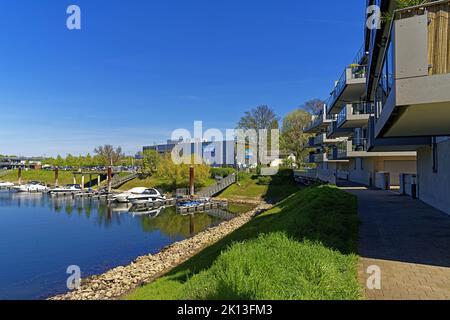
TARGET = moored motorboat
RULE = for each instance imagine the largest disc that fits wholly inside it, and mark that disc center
(69, 188)
(5, 184)
(139, 194)
(33, 186)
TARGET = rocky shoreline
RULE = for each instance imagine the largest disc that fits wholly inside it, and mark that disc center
(121, 280)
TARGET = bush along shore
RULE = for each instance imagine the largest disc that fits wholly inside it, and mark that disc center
(121, 280)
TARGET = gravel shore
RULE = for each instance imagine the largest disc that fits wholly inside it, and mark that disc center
(121, 280)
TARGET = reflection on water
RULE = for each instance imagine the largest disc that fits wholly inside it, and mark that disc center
(40, 236)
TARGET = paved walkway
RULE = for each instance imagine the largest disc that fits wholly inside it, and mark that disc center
(408, 240)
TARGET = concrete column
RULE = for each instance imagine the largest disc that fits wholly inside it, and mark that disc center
(74, 179)
(82, 182)
(99, 180)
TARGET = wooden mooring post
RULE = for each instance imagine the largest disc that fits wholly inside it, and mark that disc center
(109, 179)
(56, 177)
(191, 181)
(19, 173)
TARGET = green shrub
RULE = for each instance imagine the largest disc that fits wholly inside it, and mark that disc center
(221, 172)
(264, 180)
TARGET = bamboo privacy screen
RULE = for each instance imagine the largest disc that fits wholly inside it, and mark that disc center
(439, 39)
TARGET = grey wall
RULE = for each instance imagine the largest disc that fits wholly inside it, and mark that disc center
(434, 188)
(396, 167)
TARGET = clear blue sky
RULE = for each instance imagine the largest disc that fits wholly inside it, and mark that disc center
(139, 69)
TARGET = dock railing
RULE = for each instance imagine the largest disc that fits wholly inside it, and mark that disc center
(218, 187)
(117, 182)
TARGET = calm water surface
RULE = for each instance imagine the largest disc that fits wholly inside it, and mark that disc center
(41, 236)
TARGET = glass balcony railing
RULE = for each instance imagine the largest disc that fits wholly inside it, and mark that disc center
(359, 145)
(318, 120)
(438, 59)
(352, 145)
(360, 108)
(356, 72)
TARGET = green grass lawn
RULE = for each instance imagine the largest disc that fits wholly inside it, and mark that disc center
(45, 176)
(304, 248)
(238, 208)
(274, 190)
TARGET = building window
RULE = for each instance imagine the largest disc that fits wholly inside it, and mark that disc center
(362, 164)
(385, 81)
(435, 154)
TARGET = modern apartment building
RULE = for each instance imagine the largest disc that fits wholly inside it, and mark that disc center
(388, 117)
(409, 81)
(342, 131)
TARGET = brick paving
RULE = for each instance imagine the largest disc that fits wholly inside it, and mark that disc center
(408, 240)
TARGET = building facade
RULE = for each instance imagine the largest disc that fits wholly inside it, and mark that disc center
(410, 86)
(220, 153)
(388, 116)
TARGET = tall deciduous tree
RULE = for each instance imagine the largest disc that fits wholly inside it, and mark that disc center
(314, 106)
(108, 155)
(293, 139)
(260, 118)
(151, 159)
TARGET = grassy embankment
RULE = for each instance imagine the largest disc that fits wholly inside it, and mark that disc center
(45, 176)
(304, 248)
(270, 189)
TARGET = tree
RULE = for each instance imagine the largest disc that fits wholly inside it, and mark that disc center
(293, 139)
(177, 175)
(260, 118)
(314, 106)
(108, 155)
(151, 159)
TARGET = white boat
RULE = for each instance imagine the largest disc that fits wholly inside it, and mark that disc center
(151, 213)
(69, 188)
(4, 184)
(148, 195)
(33, 186)
(139, 194)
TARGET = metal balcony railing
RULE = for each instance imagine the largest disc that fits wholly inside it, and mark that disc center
(360, 108)
(356, 72)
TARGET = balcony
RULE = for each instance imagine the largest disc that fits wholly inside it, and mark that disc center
(412, 93)
(319, 122)
(322, 139)
(393, 144)
(310, 158)
(359, 148)
(355, 115)
(335, 132)
(350, 88)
